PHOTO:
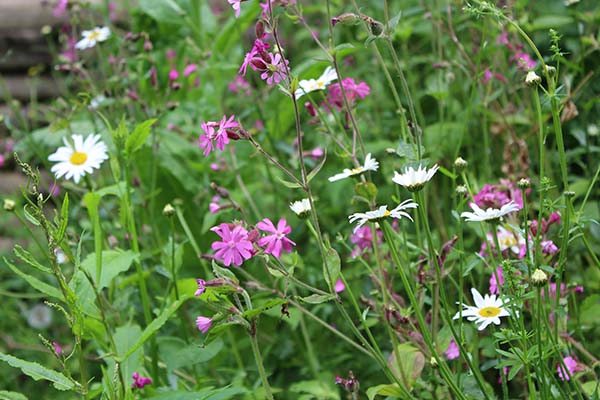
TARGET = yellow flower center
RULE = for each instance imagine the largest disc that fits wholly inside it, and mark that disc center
(355, 171)
(94, 35)
(386, 213)
(78, 158)
(320, 84)
(508, 241)
(489, 312)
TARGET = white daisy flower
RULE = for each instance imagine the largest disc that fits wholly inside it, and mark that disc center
(382, 212)
(414, 180)
(301, 207)
(90, 38)
(489, 214)
(487, 310)
(508, 240)
(80, 158)
(371, 164)
(312, 85)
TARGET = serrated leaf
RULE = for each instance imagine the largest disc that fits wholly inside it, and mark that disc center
(318, 298)
(26, 257)
(36, 283)
(384, 390)
(37, 372)
(139, 135)
(154, 326)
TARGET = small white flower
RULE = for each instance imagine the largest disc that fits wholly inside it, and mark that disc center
(414, 180)
(382, 212)
(74, 161)
(371, 164)
(487, 310)
(532, 78)
(508, 240)
(61, 257)
(479, 215)
(90, 38)
(312, 85)
(301, 207)
(96, 102)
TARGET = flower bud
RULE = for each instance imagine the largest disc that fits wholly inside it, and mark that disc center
(539, 277)
(523, 183)
(9, 205)
(532, 79)
(168, 210)
(376, 28)
(460, 164)
(345, 19)
(550, 70)
(461, 190)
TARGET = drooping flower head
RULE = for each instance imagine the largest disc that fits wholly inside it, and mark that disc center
(90, 38)
(490, 214)
(487, 310)
(414, 179)
(277, 240)
(234, 247)
(204, 323)
(370, 164)
(79, 158)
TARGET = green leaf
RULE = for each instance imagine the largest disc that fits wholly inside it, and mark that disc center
(37, 372)
(384, 390)
(26, 257)
(125, 337)
(154, 326)
(221, 272)
(167, 11)
(259, 310)
(411, 365)
(316, 169)
(207, 394)
(64, 219)
(113, 263)
(4, 395)
(36, 283)
(288, 184)
(141, 132)
(317, 389)
(318, 298)
(331, 267)
(394, 22)
(30, 217)
(177, 353)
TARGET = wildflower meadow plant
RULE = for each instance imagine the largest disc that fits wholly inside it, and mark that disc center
(297, 200)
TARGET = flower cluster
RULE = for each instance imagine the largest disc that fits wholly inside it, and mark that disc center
(140, 381)
(237, 243)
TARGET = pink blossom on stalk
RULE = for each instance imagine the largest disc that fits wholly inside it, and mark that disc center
(60, 8)
(221, 135)
(235, 4)
(571, 366)
(189, 69)
(173, 75)
(275, 69)
(201, 287)
(140, 381)
(214, 206)
(235, 246)
(453, 351)
(524, 61)
(203, 323)
(487, 76)
(57, 348)
(69, 52)
(495, 283)
(277, 241)
(339, 286)
(548, 247)
(217, 134)
(352, 90)
(258, 48)
(206, 140)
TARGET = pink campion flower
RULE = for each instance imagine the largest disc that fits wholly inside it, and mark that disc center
(353, 92)
(235, 247)
(69, 51)
(571, 365)
(214, 205)
(495, 196)
(189, 69)
(548, 247)
(206, 140)
(453, 351)
(201, 287)
(140, 381)
(203, 323)
(221, 135)
(235, 4)
(173, 75)
(60, 8)
(487, 76)
(259, 48)
(503, 38)
(275, 70)
(239, 84)
(57, 348)
(524, 61)
(363, 237)
(339, 286)
(495, 283)
(277, 241)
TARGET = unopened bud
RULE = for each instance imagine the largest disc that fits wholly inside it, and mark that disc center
(569, 193)
(168, 210)
(461, 190)
(550, 70)
(539, 278)
(345, 19)
(9, 205)
(460, 164)
(46, 30)
(433, 362)
(376, 28)
(259, 29)
(523, 183)
(532, 79)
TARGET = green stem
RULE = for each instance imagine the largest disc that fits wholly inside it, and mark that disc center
(259, 363)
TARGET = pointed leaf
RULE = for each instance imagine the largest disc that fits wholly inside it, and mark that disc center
(138, 137)
(36, 283)
(37, 372)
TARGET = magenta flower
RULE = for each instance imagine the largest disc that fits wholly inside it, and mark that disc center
(206, 140)
(173, 75)
(453, 351)
(339, 286)
(221, 136)
(275, 69)
(57, 348)
(235, 246)
(277, 241)
(189, 69)
(495, 283)
(201, 287)
(571, 366)
(60, 8)
(203, 323)
(140, 381)
(353, 92)
(217, 134)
